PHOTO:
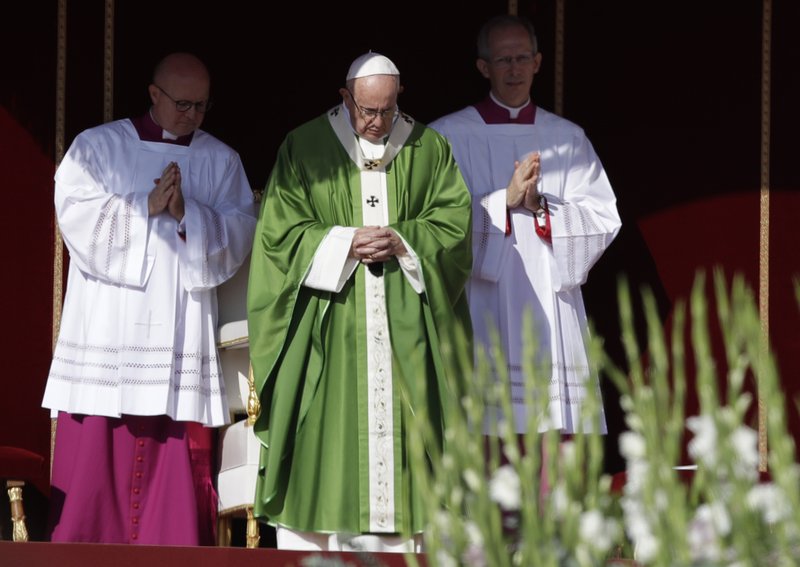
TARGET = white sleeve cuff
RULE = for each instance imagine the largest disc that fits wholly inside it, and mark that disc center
(332, 265)
(409, 263)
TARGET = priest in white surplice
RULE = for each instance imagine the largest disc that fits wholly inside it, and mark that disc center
(155, 214)
(543, 214)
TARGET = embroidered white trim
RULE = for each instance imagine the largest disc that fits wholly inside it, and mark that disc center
(380, 409)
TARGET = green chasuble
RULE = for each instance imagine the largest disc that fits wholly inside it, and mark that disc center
(334, 430)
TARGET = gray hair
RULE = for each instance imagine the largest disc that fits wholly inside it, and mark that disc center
(503, 21)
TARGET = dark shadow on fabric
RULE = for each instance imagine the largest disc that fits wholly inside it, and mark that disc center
(602, 308)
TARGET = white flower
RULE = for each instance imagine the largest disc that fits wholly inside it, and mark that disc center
(504, 488)
(646, 548)
(632, 445)
(637, 525)
(770, 500)
(635, 476)
(474, 534)
(710, 523)
(634, 421)
(568, 454)
(703, 446)
(702, 536)
(744, 442)
(721, 518)
(475, 555)
(597, 532)
(626, 403)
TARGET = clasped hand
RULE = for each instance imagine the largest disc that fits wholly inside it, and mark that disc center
(167, 194)
(375, 244)
(521, 189)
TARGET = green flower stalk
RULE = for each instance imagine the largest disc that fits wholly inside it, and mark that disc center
(489, 508)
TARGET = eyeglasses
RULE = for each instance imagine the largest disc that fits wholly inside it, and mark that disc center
(184, 105)
(370, 114)
(522, 60)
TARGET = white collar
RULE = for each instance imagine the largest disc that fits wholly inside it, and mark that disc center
(342, 126)
(513, 112)
(165, 134)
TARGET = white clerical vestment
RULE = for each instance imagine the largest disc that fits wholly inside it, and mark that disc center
(138, 329)
(521, 273)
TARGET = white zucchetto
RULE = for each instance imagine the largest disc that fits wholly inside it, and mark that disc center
(371, 64)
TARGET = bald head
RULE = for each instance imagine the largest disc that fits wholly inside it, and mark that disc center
(180, 93)
(180, 65)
